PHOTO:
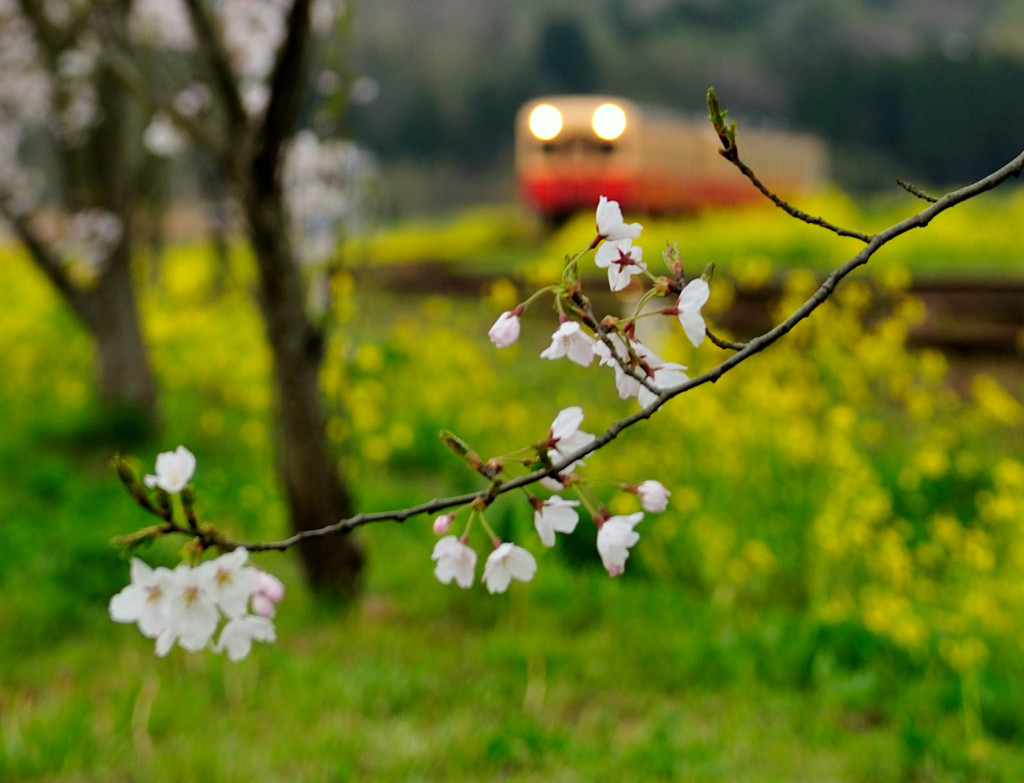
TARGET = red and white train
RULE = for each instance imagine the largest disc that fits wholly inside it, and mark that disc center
(572, 149)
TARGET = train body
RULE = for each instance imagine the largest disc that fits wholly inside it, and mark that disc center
(572, 149)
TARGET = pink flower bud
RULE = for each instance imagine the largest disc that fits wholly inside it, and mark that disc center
(263, 606)
(442, 524)
(270, 587)
(505, 330)
(653, 496)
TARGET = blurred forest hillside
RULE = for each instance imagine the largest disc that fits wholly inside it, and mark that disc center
(928, 90)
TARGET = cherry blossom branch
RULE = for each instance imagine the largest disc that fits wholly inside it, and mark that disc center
(639, 372)
(754, 346)
(791, 210)
(727, 135)
(185, 606)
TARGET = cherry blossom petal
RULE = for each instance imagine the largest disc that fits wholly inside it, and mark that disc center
(693, 297)
(455, 561)
(653, 496)
(555, 515)
(615, 538)
(508, 562)
(505, 330)
(174, 470)
(610, 225)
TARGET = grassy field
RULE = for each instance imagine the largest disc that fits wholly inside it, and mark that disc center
(833, 594)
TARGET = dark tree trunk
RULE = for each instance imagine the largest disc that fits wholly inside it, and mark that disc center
(251, 159)
(316, 495)
(124, 377)
(123, 372)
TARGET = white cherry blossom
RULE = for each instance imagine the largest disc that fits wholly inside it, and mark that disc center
(91, 235)
(622, 259)
(328, 185)
(161, 23)
(693, 297)
(555, 515)
(186, 605)
(571, 341)
(193, 610)
(653, 496)
(508, 562)
(455, 561)
(610, 225)
(644, 362)
(238, 634)
(230, 582)
(505, 330)
(665, 376)
(145, 600)
(565, 437)
(162, 137)
(174, 470)
(625, 384)
(615, 538)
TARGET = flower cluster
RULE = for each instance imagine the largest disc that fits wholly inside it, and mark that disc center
(639, 372)
(186, 604)
(456, 560)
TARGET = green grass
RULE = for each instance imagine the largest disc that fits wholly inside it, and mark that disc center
(663, 674)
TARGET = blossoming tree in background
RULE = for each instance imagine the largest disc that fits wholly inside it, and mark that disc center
(115, 84)
(71, 209)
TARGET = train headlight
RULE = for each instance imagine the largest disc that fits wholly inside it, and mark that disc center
(609, 121)
(545, 122)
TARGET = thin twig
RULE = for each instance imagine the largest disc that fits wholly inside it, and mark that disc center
(728, 345)
(726, 132)
(914, 190)
(789, 209)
